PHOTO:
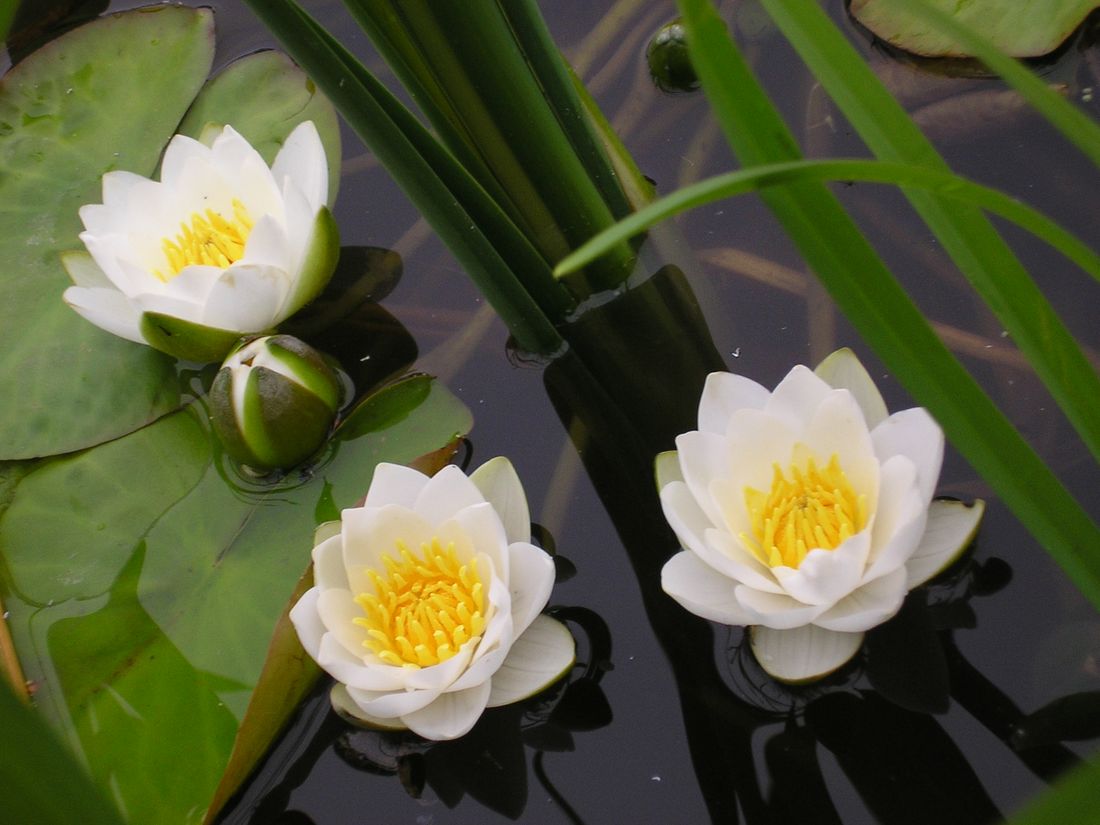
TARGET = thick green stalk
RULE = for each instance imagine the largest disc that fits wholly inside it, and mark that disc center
(417, 163)
(480, 91)
(965, 233)
(877, 306)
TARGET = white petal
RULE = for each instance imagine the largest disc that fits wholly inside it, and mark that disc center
(192, 284)
(723, 394)
(868, 606)
(391, 704)
(666, 468)
(299, 223)
(684, 515)
(349, 711)
(328, 564)
(100, 220)
(351, 670)
(168, 305)
(797, 396)
(530, 583)
(755, 442)
(950, 528)
(307, 622)
(477, 529)
(110, 253)
(302, 158)
(778, 611)
(394, 484)
(338, 611)
(443, 675)
(246, 298)
(371, 533)
(802, 653)
(542, 655)
(837, 428)
(913, 433)
(826, 576)
(447, 492)
(843, 371)
(119, 187)
(702, 590)
(899, 519)
(108, 309)
(728, 555)
(703, 458)
(181, 151)
(451, 715)
(499, 483)
(268, 245)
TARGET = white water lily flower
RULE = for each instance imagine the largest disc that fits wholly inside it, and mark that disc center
(222, 245)
(426, 605)
(806, 513)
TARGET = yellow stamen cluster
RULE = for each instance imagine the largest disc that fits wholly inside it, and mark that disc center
(424, 608)
(210, 240)
(813, 508)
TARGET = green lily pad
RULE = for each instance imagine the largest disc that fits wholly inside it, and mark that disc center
(109, 96)
(105, 96)
(144, 616)
(1018, 29)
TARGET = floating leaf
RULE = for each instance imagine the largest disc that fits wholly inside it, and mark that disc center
(143, 618)
(106, 96)
(1018, 29)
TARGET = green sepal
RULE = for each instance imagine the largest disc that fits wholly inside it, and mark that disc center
(282, 422)
(186, 339)
(318, 264)
(308, 368)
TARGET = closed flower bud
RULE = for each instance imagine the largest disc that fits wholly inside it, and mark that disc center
(273, 402)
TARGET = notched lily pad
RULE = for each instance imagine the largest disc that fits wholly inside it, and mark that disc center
(1018, 29)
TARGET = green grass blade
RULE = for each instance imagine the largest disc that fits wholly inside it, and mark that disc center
(965, 233)
(1075, 125)
(372, 112)
(946, 184)
(1071, 800)
(884, 315)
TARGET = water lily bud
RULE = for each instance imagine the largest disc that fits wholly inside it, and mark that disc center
(273, 402)
(669, 62)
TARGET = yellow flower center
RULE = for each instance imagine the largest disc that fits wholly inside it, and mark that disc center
(424, 607)
(814, 507)
(210, 240)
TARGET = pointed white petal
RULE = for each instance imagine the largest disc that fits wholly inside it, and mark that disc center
(867, 606)
(394, 484)
(267, 245)
(797, 396)
(108, 309)
(530, 582)
(443, 675)
(843, 371)
(302, 158)
(349, 711)
(702, 590)
(913, 433)
(499, 483)
(451, 715)
(84, 271)
(703, 458)
(338, 612)
(246, 298)
(826, 576)
(447, 492)
(119, 187)
(328, 564)
(334, 658)
(837, 428)
(899, 518)
(728, 555)
(390, 704)
(802, 654)
(181, 151)
(371, 533)
(723, 394)
(307, 622)
(950, 529)
(477, 529)
(542, 655)
(778, 611)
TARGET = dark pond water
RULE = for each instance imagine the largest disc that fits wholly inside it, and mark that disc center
(668, 721)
